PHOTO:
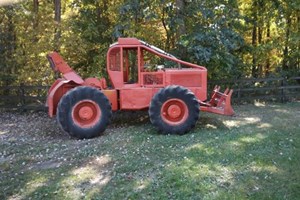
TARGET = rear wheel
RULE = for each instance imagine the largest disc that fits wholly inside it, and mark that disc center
(84, 112)
(174, 110)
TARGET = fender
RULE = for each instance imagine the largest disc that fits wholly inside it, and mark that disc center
(57, 90)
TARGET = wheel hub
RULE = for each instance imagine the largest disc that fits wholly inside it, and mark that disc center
(174, 111)
(85, 113)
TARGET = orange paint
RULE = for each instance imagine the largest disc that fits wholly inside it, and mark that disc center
(133, 85)
(174, 112)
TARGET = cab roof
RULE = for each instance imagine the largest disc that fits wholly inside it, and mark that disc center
(135, 41)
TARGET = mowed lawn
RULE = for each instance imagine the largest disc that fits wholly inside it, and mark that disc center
(253, 155)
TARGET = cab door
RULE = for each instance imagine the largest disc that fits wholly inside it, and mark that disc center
(132, 95)
(123, 66)
(131, 67)
(114, 67)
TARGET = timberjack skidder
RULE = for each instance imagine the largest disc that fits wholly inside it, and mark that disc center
(174, 92)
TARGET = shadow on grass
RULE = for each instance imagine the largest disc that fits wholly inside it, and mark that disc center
(251, 156)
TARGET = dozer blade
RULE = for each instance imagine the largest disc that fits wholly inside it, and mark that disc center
(220, 103)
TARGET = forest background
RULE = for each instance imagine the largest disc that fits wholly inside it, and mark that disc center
(234, 39)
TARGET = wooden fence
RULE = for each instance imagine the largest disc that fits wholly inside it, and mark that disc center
(23, 97)
(262, 89)
(245, 91)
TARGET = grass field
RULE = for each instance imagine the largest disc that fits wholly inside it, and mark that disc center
(254, 155)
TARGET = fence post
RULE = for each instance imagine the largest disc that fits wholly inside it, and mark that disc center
(282, 89)
(238, 92)
(22, 96)
(239, 95)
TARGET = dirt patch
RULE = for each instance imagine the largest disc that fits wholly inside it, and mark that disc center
(45, 165)
(23, 125)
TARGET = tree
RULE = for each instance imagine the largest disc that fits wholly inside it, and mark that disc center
(7, 45)
(92, 31)
(57, 19)
(232, 38)
(212, 39)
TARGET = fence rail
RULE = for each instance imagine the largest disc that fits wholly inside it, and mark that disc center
(262, 89)
(279, 89)
(23, 97)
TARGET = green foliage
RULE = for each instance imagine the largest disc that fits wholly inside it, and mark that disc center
(25, 50)
(232, 39)
(211, 38)
(7, 46)
(93, 28)
(140, 19)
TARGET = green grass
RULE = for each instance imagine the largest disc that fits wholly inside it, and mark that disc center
(254, 155)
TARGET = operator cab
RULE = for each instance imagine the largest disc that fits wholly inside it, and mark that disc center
(123, 66)
(132, 63)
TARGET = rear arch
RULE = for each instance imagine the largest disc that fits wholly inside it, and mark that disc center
(62, 86)
(57, 90)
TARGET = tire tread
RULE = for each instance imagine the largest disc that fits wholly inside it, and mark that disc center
(169, 92)
(74, 95)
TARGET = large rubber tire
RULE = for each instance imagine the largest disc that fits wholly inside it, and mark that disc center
(84, 112)
(174, 110)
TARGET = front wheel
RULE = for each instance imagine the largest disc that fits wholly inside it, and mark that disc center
(84, 112)
(174, 110)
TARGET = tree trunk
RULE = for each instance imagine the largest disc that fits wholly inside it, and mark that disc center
(169, 32)
(259, 65)
(8, 49)
(35, 34)
(254, 40)
(35, 14)
(181, 27)
(298, 32)
(102, 18)
(57, 19)
(268, 53)
(181, 30)
(254, 57)
(285, 66)
(163, 20)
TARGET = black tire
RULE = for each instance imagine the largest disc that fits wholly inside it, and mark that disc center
(74, 102)
(186, 105)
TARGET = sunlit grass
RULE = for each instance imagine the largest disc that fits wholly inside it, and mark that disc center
(254, 155)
